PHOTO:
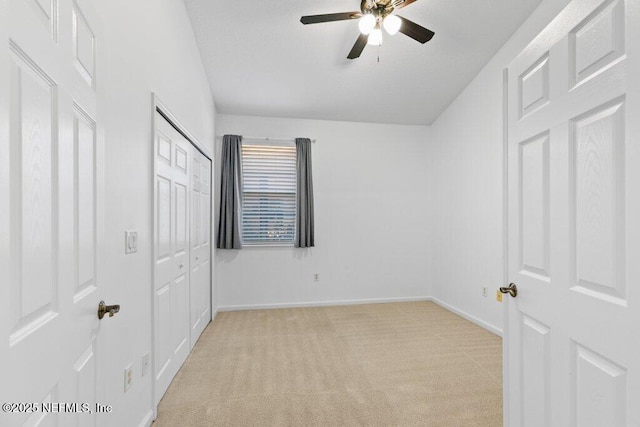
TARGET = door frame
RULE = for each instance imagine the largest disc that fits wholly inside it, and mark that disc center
(505, 245)
(157, 105)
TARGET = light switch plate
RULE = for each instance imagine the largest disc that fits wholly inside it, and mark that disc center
(128, 377)
(130, 242)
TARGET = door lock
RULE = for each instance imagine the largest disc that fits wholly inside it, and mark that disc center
(512, 290)
(110, 309)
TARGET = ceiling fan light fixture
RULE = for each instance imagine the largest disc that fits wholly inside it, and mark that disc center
(392, 24)
(373, 15)
(375, 37)
(367, 23)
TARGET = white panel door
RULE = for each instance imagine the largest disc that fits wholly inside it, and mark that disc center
(573, 331)
(51, 157)
(172, 237)
(200, 244)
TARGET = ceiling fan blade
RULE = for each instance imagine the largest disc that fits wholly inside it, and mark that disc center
(415, 31)
(404, 3)
(358, 47)
(330, 17)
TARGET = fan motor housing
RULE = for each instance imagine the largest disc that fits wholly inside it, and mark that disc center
(378, 8)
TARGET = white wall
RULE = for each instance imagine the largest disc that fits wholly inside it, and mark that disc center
(466, 184)
(370, 208)
(149, 46)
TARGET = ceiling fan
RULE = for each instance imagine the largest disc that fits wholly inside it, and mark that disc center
(373, 15)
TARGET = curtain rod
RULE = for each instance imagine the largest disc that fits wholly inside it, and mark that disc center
(268, 139)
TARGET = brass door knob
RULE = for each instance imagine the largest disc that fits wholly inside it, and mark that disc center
(512, 290)
(110, 309)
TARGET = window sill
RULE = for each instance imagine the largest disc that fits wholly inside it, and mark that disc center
(267, 245)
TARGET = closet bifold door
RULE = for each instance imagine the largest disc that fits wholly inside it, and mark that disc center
(200, 244)
(172, 212)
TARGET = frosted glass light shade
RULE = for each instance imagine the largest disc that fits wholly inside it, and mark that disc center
(366, 24)
(392, 24)
(375, 37)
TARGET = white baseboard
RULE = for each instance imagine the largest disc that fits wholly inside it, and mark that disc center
(147, 420)
(319, 303)
(489, 327)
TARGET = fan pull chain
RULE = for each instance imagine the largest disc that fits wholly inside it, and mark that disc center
(378, 54)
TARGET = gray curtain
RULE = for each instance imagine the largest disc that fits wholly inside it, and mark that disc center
(230, 193)
(304, 213)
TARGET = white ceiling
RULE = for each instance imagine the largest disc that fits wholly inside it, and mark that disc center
(260, 60)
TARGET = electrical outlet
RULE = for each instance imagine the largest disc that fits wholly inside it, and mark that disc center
(128, 377)
(485, 291)
(146, 360)
(316, 277)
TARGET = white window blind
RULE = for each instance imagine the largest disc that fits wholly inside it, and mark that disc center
(268, 194)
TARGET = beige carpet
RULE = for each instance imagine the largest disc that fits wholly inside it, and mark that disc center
(400, 364)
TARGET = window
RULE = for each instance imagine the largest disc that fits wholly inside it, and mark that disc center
(268, 194)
